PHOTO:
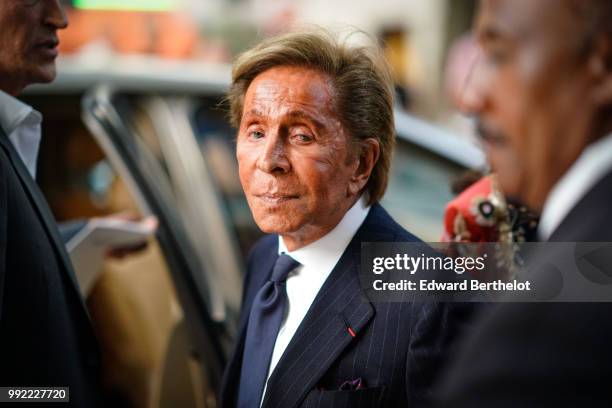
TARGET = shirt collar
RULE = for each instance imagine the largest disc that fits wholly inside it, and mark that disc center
(325, 252)
(592, 165)
(22, 125)
(14, 113)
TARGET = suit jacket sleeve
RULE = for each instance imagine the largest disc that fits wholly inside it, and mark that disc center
(436, 329)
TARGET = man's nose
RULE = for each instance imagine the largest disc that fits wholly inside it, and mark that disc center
(273, 158)
(475, 89)
(54, 15)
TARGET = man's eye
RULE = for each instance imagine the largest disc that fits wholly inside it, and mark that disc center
(256, 134)
(497, 57)
(302, 138)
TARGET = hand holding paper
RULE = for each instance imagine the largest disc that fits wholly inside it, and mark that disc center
(114, 236)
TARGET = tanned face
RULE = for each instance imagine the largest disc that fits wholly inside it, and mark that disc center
(28, 42)
(296, 164)
(536, 92)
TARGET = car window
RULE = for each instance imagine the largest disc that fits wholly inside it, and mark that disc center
(419, 188)
(217, 142)
(160, 142)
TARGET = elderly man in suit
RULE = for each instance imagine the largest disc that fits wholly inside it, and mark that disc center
(315, 138)
(543, 95)
(46, 337)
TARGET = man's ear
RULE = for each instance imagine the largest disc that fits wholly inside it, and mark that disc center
(367, 156)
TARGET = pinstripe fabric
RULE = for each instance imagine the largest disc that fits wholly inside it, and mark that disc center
(397, 352)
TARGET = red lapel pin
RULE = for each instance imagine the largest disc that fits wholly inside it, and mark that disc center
(348, 327)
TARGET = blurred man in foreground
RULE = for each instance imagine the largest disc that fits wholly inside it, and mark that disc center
(46, 337)
(315, 139)
(543, 95)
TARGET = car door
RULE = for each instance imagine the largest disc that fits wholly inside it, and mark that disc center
(205, 338)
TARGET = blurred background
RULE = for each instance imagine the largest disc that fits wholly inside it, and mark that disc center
(417, 35)
(134, 123)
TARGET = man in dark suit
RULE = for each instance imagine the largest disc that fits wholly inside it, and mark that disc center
(315, 139)
(46, 338)
(542, 93)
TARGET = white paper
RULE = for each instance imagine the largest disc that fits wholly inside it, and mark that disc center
(89, 246)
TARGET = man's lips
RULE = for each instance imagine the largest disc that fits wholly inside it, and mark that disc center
(48, 42)
(48, 47)
(276, 198)
(490, 135)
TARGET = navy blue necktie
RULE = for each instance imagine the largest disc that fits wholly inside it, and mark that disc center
(264, 323)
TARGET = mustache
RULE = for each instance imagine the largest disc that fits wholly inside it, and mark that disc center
(488, 134)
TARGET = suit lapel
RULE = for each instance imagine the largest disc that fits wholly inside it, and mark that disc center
(323, 334)
(44, 213)
(577, 226)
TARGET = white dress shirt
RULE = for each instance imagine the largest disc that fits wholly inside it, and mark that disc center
(21, 123)
(592, 165)
(317, 261)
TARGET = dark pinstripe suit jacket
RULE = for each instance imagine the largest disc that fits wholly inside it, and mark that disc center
(398, 350)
